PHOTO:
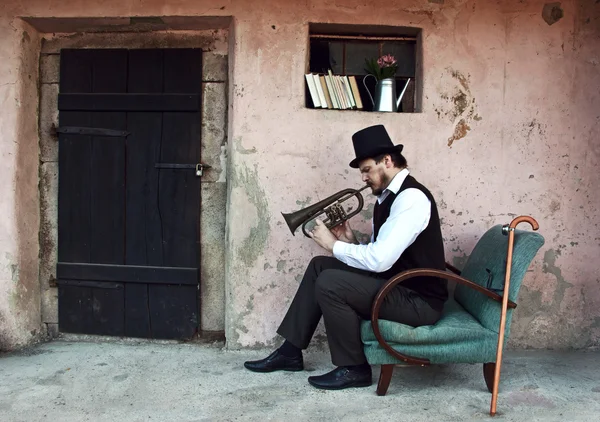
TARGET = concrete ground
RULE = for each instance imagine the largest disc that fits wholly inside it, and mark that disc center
(140, 381)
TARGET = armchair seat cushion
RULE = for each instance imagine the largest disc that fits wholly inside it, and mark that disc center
(457, 337)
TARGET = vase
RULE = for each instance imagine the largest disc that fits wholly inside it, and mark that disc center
(385, 94)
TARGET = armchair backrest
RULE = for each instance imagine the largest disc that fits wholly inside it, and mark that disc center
(486, 266)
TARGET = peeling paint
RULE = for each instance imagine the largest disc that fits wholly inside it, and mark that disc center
(223, 162)
(552, 13)
(460, 131)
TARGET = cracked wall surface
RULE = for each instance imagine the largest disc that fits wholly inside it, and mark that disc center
(509, 126)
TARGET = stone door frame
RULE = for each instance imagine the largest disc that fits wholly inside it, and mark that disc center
(215, 77)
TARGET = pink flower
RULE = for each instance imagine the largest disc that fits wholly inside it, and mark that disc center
(386, 61)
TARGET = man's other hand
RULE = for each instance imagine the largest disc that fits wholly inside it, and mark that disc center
(344, 233)
(323, 236)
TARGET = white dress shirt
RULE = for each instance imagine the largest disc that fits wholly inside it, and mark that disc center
(409, 216)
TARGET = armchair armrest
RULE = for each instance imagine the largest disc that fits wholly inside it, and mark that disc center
(422, 272)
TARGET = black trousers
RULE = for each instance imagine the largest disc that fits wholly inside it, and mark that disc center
(344, 295)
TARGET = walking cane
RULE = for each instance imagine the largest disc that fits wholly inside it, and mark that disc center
(510, 231)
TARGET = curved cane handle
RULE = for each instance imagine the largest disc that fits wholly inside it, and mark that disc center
(507, 228)
(524, 219)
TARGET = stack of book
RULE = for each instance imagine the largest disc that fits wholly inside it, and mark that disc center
(333, 91)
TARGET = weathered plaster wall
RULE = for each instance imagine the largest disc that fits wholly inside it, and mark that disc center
(509, 126)
(19, 288)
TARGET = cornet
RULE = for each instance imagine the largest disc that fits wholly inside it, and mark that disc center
(332, 207)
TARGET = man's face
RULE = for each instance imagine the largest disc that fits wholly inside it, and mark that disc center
(374, 174)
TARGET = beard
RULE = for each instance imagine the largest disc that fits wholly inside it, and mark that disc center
(383, 184)
(376, 191)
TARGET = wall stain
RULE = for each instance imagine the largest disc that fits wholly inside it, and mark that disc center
(241, 327)
(265, 288)
(281, 265)
(362, 237)
(554, 206)
(304, 203)
(239, 148)
(549, 266)
(531, 128)
(460, 261)
(254, 245)
(367, 212)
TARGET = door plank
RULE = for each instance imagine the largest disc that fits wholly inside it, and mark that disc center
(179, 190)
(107, 186)
(74, 200)
(137, 311)
(144, 233)
(75, 71)
(107, 191)
(75, 314)
(109, 70)
(173, 311)
(108, 307)
(145, 71)
(179, 199)
(183, 70)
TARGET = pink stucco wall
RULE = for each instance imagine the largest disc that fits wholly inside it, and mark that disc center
(521, 95)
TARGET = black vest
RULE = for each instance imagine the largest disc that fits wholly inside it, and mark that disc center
(427, 251)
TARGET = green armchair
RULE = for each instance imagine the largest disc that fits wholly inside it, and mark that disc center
(468, 331)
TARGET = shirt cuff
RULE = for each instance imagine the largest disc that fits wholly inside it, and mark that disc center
(339, 250)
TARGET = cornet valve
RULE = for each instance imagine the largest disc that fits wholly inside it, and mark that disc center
(335, 214)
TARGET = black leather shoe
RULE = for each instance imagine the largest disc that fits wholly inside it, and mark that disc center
(342, 377)
(276, 362)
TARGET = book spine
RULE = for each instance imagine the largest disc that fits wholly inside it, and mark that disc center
(313, 90)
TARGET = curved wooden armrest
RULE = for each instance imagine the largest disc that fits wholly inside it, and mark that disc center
(422, 272)
(452, 268)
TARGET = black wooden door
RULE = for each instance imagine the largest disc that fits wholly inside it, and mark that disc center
(129, 194)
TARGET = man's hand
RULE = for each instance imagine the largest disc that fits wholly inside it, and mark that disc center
(344, 233)
(323, 236)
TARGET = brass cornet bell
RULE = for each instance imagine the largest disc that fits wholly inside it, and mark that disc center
(332, 207)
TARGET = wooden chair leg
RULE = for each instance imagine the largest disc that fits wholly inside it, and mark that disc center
(384, 379)
(488, 374)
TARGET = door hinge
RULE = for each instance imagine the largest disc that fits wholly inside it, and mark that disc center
(92, 131)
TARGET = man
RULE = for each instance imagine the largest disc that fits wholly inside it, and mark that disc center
(406, 234)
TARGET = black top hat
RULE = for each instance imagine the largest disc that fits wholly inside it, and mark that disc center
(370, 142)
